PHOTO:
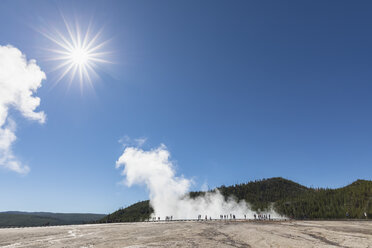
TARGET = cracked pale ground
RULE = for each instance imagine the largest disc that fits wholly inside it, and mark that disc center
(195, 234)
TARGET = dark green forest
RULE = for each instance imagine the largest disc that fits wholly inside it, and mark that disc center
(284, 196)
(22, 219)
(139, 211)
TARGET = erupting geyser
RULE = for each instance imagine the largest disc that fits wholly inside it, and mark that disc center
(169, 193)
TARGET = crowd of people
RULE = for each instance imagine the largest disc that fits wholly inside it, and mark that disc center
(262, 217)
(222, 217)
(233, 217)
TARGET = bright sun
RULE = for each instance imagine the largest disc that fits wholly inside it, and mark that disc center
(77, 54)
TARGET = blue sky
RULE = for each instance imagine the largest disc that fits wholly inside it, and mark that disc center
(237, 91)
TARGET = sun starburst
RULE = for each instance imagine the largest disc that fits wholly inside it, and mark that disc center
(77, 54)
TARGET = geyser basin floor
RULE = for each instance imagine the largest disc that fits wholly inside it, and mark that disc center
(195, 234)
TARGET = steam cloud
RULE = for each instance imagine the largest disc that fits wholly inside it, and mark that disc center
(168, 193)
(19, 79)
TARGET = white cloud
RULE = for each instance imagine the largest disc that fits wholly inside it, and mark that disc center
(168, 192)
(19, 80)
(140, 141)
(127, 141)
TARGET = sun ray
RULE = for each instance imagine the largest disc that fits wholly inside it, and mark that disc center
(100, 60)
(69, 45)
(99, 46)
(94, 39)
(86, 36)
(69, 30)
(64, 73)
(56, 41)
(57, 51)
(65, 64)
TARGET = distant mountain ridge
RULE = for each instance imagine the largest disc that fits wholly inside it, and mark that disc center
(285, 196)
(23, 219)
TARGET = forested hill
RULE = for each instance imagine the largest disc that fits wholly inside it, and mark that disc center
(23, 219)
(351, 201)
(263, 192)
(286, 197)
(139, 211)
